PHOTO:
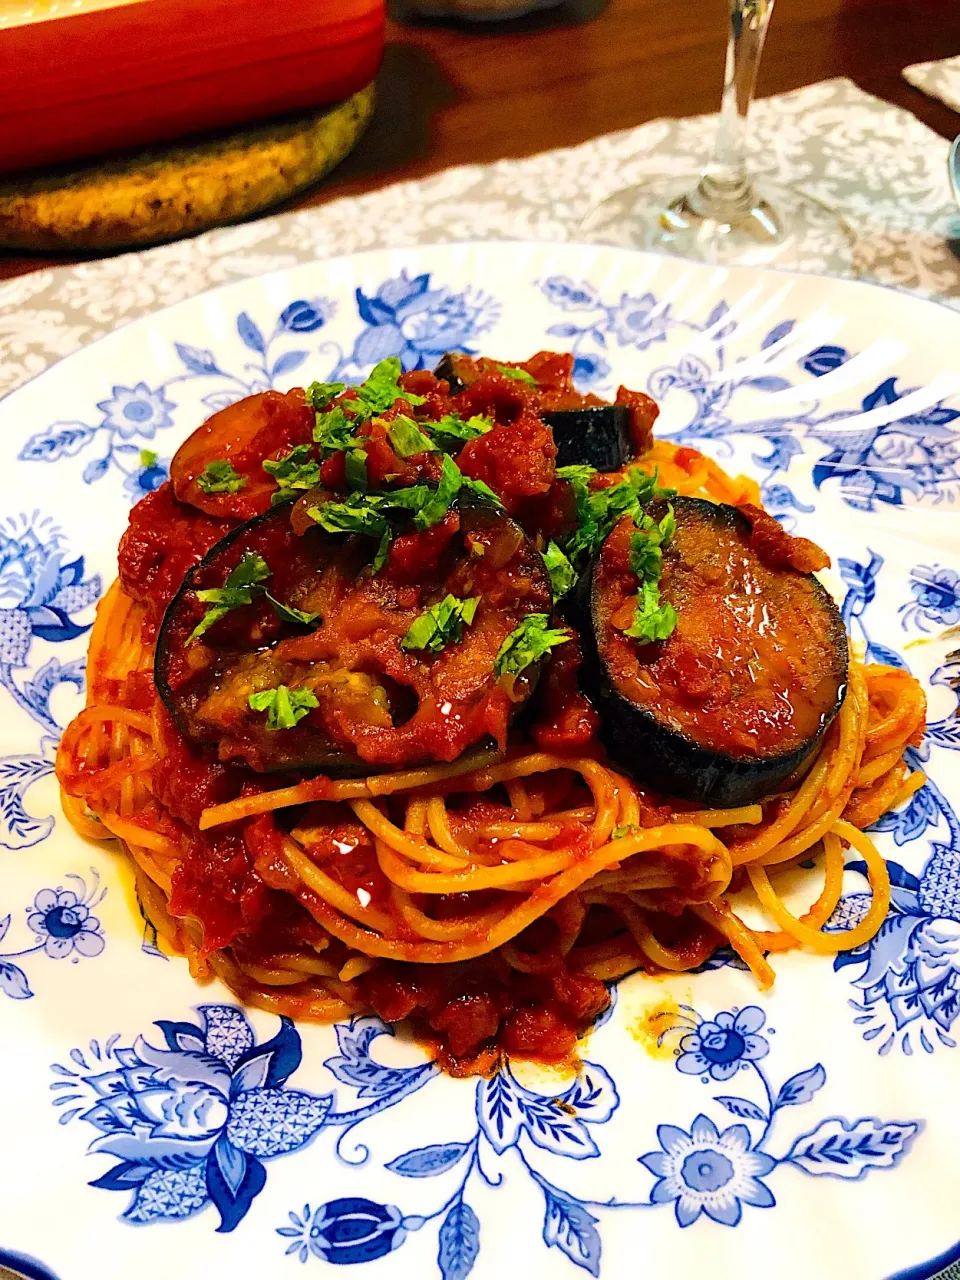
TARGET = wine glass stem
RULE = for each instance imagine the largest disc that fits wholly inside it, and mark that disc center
(724, 188)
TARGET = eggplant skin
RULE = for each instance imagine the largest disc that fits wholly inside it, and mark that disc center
(163, 650)
(324, 757)
(447, 369)
(661, 757)
(596, 436)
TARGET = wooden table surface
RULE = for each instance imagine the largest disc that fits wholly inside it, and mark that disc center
(456, 93)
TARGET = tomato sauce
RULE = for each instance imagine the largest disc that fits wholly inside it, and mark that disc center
(163, 540)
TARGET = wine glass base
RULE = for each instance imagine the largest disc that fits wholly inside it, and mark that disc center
(778, 226)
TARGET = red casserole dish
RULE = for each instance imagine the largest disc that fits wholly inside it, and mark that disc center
(83, 77)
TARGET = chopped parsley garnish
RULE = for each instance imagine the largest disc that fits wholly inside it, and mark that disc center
(438, 501)
(406, 438)
(578, 474)
(148, 458)
(527, 644)
(216, 477)
(284, 707)
(319, 394)
(355, 470)
(333, 431)
(451, 433)
(287, 613)
(380, 390)
(619, 832)
(517, 375)
(479, 491)
(646, 558)
(242, 585)
(562, 573)
(598, 510)
(383, 550)
(581, 542)
(411, 498)
(651, 620)
(359, 513)
(442, 624)
(295, 471)
(372, 513)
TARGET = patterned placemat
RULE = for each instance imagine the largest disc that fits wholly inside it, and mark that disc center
(878, 165)
(938, 79)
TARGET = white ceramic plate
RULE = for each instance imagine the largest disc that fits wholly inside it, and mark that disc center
(153, 1128)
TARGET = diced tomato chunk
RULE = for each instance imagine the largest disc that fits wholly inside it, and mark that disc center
(517, 460)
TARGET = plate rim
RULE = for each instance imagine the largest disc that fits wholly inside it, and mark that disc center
(735, 268)
(31, 1267)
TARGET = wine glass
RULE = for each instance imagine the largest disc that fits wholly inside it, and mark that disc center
(721, 215)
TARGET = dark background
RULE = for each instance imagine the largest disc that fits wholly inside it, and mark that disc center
(465, 93)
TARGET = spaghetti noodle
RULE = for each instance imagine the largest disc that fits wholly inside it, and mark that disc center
(491, 898)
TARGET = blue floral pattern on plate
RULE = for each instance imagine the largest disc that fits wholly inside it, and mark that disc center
(706, 1171)
(917, 453)
(700, 1171)
(936, 598)
(41, 594)
(63, 926)
(409, 319)
(909, 979)
(193, 1122)
(720, 1046)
